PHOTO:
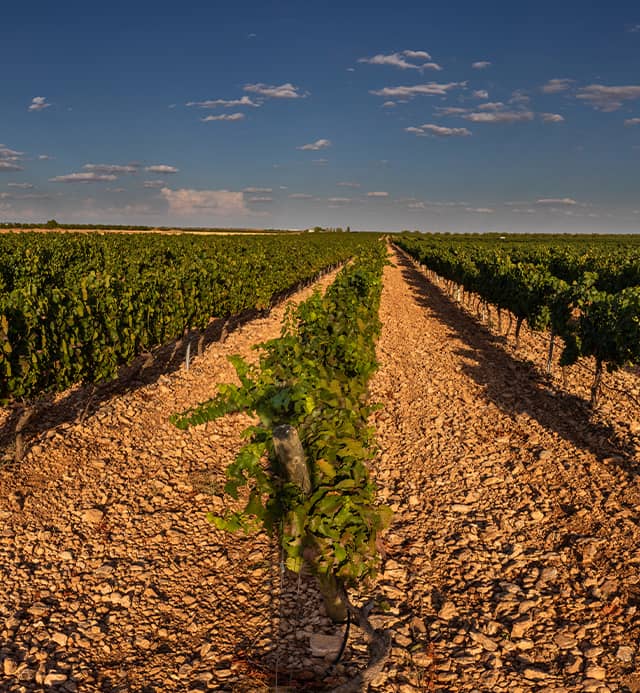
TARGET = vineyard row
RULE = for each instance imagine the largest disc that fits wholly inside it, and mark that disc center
(591, 322)
(74, 308)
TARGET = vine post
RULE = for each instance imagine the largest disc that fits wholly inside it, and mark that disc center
(288, 448)
(597, 382)
(550, 355)
(290, 454)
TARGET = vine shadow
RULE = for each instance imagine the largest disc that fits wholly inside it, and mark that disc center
(515, 386)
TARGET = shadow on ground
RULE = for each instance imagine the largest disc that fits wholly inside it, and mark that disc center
(515, 386)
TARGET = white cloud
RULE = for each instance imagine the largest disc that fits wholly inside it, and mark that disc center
(225, 103)
(491, 106)
(378, 194)
(604, 98)
(519, 97)
(429, 89)
(481, 65)
(300, 196)
(154, 184)
(348, 184)
(22, 186)
(417, 55)
(224, 116)
(451, 110)
(38, 103)
(263, 198)
(283, 91)
(161, 168)
(556, 201)
(555, 86)
(110, 168)
(89, 177)
(389, 104)
(187, 201)
(340, 200)
(10, 159)
(500, 117)
(480, 94)
(320, 162)
(552, 118)
(479, 210)
(315, 146)
(438, 131)
(401, 60)
(44, 157)
(7, 154)
(632, 121)
(634, 29)
(258, 190)
(9, 166)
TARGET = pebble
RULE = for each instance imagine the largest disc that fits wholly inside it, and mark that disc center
(53, 679)
(447, 611)
(323, 645)
(92, 516)
(60, 639)
(9, 666)
(625, 653)
(564, 642)
(534, 674)
(486, 642)
(595, 672)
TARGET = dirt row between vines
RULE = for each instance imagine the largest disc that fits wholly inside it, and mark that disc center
(111, 578)
(512, 564)
(516, 537)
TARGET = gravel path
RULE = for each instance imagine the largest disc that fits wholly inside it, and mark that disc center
(512, 564)
(111, 579)
(514, 556)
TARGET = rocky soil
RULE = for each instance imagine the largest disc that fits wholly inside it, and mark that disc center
(512, 564)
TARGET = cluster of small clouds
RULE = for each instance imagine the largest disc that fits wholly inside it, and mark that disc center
(262, 92)
(225, 103)
(10, 159)
(96, 173)
(600, 96)
(409, 92)
(438, 131)
(38, 103)
(405, 60)
(557, 85)
(489, 112)
(185, 201)
(604, 98)
(315, 146)
(223, 116)
(188, 201)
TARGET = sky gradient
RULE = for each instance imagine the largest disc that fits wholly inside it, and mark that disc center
(471, 117)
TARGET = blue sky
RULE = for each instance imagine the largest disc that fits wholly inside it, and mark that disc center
(470, 117)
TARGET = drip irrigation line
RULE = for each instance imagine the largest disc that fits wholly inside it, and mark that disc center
(338, 657)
